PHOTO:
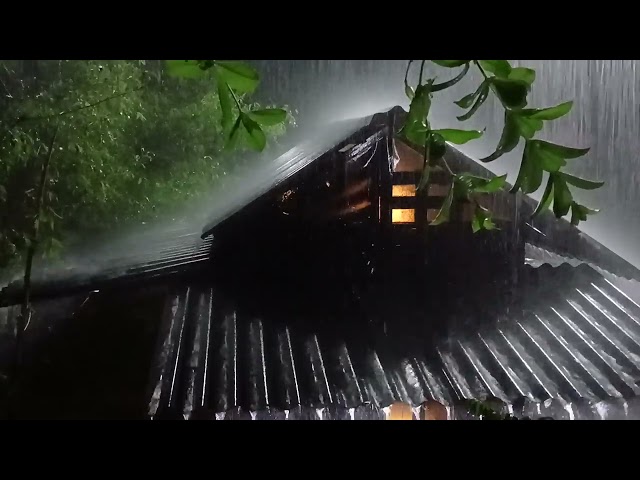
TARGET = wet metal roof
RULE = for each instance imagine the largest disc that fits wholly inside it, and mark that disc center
(577, 338)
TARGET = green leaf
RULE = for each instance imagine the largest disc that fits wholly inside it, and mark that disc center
(450, 63)
(3, 193)
(234, 134)
(547, 158)
(581, 182)
(226, 106)
(482, 97)
(489, 225)
(579, 213)
(415, 128)
(562, 197)
(500, 68)
(420, 105)
(482, 220)
(424, 179)
(550, 113)
(409, 91)
(443, 86)
(492, 185)
(477, 222)
(562, 152)
(269, 116)
(459, 137)
(257, 139)
(547, 198)
(238, 75)
(467, 100)
(443, 214)
(528, 127)
(436, 147)
(508, 140)
(206, 64)
(513, 93)
(184, 68)
(482, 185)
(416, 133)
(530, 174)
(526, 75)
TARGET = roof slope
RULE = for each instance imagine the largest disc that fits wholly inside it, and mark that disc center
(551, 234)
(166, 251)
(263, 180)
(577, 338)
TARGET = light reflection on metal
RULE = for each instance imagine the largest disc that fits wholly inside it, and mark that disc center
(403, 215)
(519, 353)
(355, 208)
(572, 344)
(546, 353)
(535, 229)
(356, 188)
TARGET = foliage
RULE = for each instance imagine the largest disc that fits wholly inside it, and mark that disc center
(511, 86)
(234, 79)
(132, 141)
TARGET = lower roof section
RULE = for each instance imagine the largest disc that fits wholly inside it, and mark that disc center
(574, 340)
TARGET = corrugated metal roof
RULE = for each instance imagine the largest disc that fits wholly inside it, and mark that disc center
(147, 254)
(576, 340)
(163, 249)
(264, 179)
(549, 237)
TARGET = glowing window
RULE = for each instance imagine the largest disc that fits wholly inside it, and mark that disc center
(403, 215)
(404, 191)
(400, 411)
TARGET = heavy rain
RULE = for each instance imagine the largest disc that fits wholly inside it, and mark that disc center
(264, 280)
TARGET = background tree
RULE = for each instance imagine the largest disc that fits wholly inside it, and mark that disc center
(132, 141)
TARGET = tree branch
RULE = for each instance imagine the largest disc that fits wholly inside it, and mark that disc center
(25, 312)
(73, 110)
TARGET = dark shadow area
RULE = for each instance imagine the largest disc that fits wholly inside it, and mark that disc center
(91, 362)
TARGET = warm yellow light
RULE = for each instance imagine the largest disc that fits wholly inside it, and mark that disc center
(400, 411)
(404, 191)
(403, 215)
(432, 410)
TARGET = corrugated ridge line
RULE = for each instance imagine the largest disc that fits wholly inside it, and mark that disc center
(536, 257)
(579, 345)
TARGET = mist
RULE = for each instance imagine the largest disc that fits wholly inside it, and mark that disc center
(605, 117)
